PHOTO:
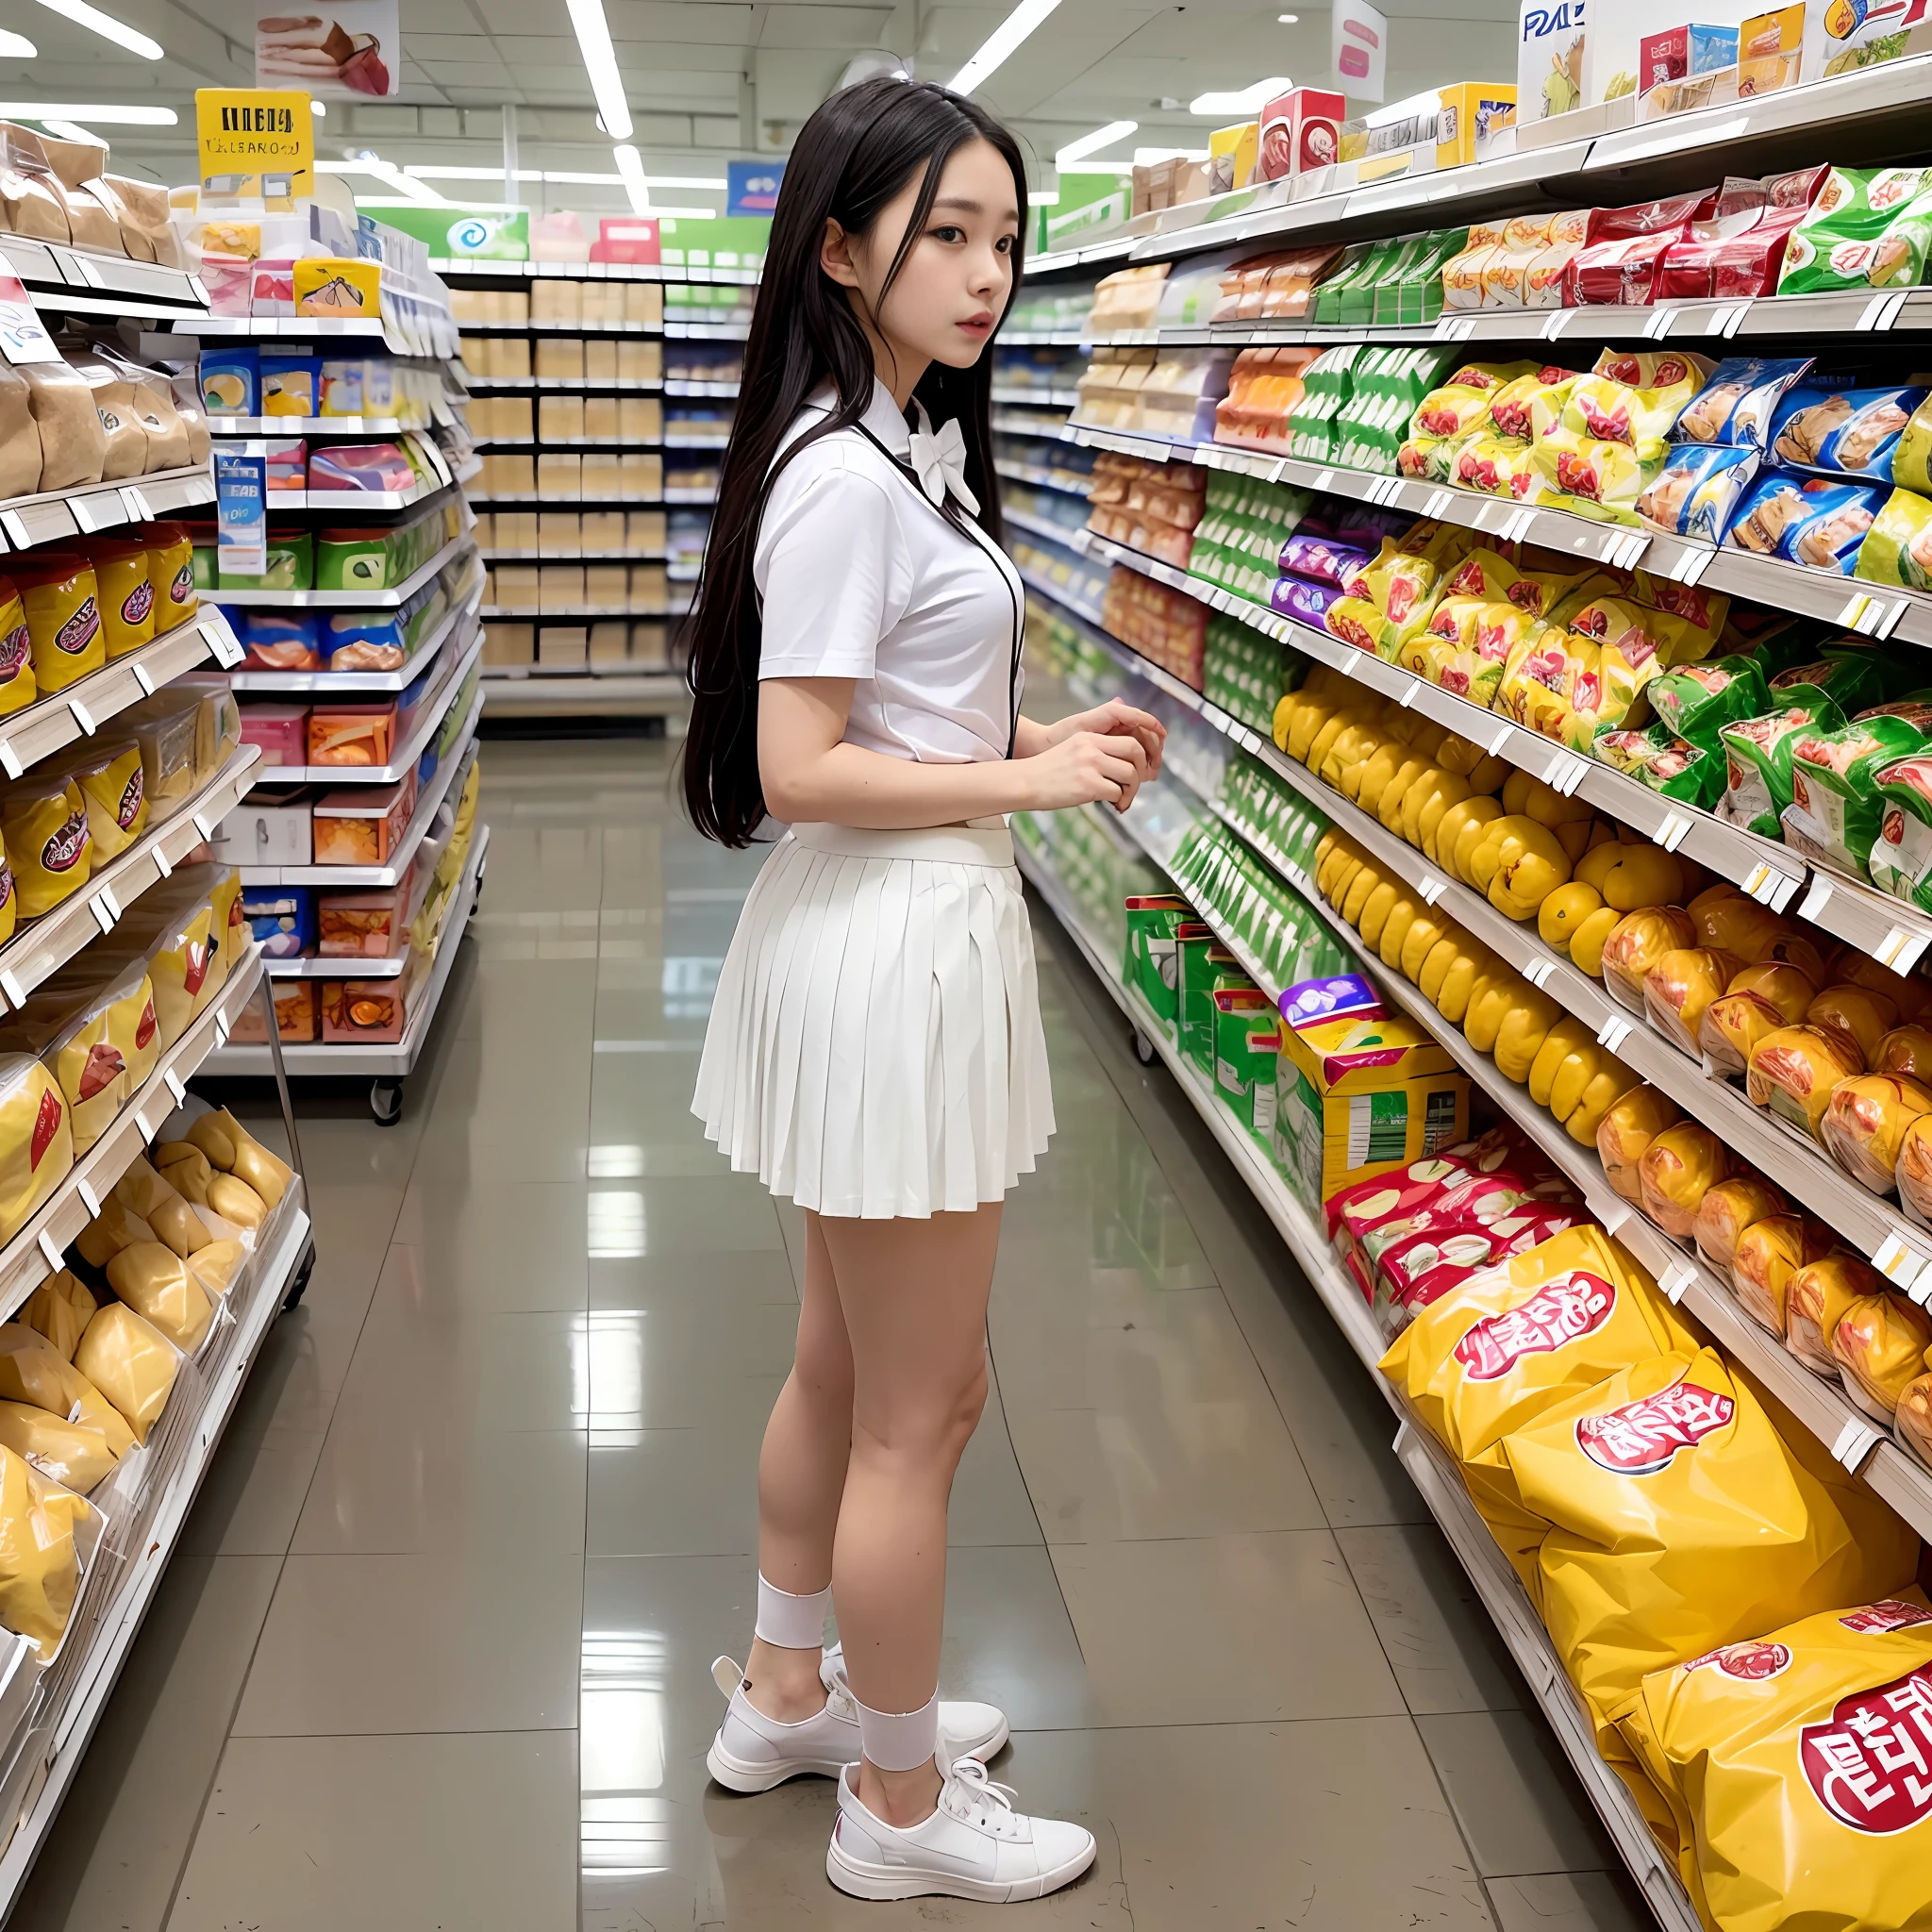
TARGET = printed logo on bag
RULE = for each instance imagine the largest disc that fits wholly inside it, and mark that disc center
(1751, 1662)
(1565, 1311)
(80, 629)
(130, 803)
(1874, 1620)
(195, 966)
(6, 882)
(138, 603)
(15, 647)
(144, 1027)
(182, 589)
(1870, 1765)
(103, 1068)
(1640, 1438)
(46, 1124)
(66, 846)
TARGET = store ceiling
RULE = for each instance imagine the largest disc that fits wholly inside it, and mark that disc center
(721, 78)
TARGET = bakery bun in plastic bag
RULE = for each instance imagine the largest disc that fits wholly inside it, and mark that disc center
(40, 1567)
(1731, 1028)
(1865, 1123)
(185, 1168)
(229, 1146)
(157, 1285)
(131, 1362)
(1727, 1211)
(1677, 1169)
(116, 1226)
(236, 1202)
(1906, 1049)
(1816, 1298)
(1726, 919)
(1682, 984)
(33, 1370)
(1863, 1013)
(217, 1265)
(71, 1454)
(1793, 1072)
(1879, 1345)
(59, 1309)
(1790, 990)
(1767, 1254)
(1640, 940)
(1913, 1420)
(1627, 1129)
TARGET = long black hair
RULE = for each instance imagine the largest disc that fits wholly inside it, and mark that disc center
(854, 156)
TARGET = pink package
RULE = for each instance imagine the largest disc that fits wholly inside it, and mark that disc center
(372, 466)
(229, 279)
(281, 732)
(272, 289)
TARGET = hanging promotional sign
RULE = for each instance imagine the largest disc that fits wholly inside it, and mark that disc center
(1359, 44)
(752, 187)
(351, 52)
(255, 141)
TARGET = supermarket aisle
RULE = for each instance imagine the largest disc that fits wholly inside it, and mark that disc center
(436, 1654)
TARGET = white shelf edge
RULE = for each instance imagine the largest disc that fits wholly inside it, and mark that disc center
(435, 708)
(350, 683)
(348, 600)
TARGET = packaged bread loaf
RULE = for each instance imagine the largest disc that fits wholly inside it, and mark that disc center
(19, 436)
(175, 939)
(216, 1266)
(1879, 1343)
(59, 1309)
(1727, 1211)
(229, 1146)
(1792, 1072)
(95, 1036)
(1679, 1168)
(17, 686)
(236, 1202)
(1767, 1254)
(131, 1362)
(30, 199)
(33, 1370)
(1626, 1132)
(1816, 1297)
(185, 1168)
(116, 1226)
(73, 443)
(124, 452)
(68, 1452)
(1865, 1123)
(150, 397)
(49, 848)
(91, 217)
(40, 1567)
(61, 598)
(157, 1285)
(146, 230)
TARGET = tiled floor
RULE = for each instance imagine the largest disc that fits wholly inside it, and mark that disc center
(436, 1654)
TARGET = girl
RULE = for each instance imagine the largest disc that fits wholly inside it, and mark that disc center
(874, 1050)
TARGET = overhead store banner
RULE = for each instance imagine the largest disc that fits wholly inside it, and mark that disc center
(353, 52)
(752, 187)
(255, 141)
(1358, 44)
(483, 234)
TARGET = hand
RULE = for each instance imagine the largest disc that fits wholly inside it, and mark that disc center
(1116, 717)
(1088, 768)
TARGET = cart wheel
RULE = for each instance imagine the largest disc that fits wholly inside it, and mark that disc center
(1144, 1048)
(386, 1102)
(300, 1281)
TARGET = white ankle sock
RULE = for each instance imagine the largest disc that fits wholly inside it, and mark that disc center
(792, 1623)
(899, 1742)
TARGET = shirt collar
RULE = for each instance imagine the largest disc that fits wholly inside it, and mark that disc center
(882, 416)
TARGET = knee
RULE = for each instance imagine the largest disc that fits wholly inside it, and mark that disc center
(822, 1374)
(932, 1433)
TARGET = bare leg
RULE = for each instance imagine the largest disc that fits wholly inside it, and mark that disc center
(914, 1294)
(801, 1477)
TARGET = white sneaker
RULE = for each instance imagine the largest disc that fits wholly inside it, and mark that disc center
(974, 1846)
(752, 1752)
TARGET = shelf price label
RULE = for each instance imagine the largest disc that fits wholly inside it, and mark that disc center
(1856, 1442)
(22, 338)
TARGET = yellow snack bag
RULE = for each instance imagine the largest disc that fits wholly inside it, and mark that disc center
(1594, 477)
(227, 926)
(36, 1141)
(43, 821)
(98, 1040)
(112, 790)
(40, 1568)
(131, 1362)
(59, 1309)
(1498, 466)
(157, 1285)
(33, 1370)
(17, 686)
(9, 899)
(174, 934)
(1803, 1763)
(1545, 669)
(127, 596)
(61, 599)
(71, 1454)
(1681, 1519)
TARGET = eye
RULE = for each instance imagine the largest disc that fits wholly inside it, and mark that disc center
(1005, 244)
(947, 232)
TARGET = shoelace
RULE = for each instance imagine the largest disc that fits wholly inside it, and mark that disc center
(981, 1789)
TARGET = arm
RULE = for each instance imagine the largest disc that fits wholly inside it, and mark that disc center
(1116, 715)
(811, 776)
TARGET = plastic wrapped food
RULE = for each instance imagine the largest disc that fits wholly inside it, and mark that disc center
(131, 1362)
(157, 1285)
(1698, 490)
(1836, 808)
(1594, 476)
(1737, 404)
(98, 1041)
(68, 1452)
(32, 1371)
(1681, 986)
(1677, 1169)
(62, 602)
(50, 850)
(17, 686)
(1793, 1072)
(1816, 1297)
(1864, 1013)
(1879, 1345)
(1639, 941)
(174, 935)
(1724, 1214)
(114, 792)
(1898, 547)
(1626, 1132)
(1813, 520)
(1865, 1123)
(1767, 1254)
(40, 1567)
(1758, 755)
(1868, 228)
(1731, 1028)
(59, 1309)
(229, 1146)
(1847, 432)
(127, 596)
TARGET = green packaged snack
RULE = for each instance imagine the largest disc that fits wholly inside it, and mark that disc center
(1757, 759)
(1852, 677)
(1359, 263)
(1149, 966)
(1247, 1049)
(1868, 228)
(1697, 701)
(1835, 809)
(1900, 860)
(1206, 967)
(1419, 292)
(1898, 547)
(289, 566)
(1668, 765)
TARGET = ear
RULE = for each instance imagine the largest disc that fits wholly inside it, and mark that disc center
(835, 255)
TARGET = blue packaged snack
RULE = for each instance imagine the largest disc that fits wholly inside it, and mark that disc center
(1737, 404)
(1697, 491)
(231, 381)
(1817, 521)
(282, 918)
(364, 641)
(1305, 598)
(1850, 432)
(1338, 996)
(278, 639)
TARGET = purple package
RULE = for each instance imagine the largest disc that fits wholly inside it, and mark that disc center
(1360, 524)
(1303, 598)
(1311, 554)
(1341, 997)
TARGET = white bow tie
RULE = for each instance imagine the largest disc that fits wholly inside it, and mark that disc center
(939, 459)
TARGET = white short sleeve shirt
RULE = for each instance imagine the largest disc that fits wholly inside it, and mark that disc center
(859, 577)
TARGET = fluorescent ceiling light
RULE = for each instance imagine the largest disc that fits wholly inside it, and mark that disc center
(1093, 143)
(714, 182)
(600, 63)
(1043, 197)
(16, 46)
(454, 173)
(405, 185)
(319, 108)
(1287, 19)
(1153, 157)
(66, 130)
(107, 27)
(1246, 100)
(1001, 43)
(72, 111)
(630, 167)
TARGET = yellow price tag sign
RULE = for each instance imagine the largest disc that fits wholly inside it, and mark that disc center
(254, 143)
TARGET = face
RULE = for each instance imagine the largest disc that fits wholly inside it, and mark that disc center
(954, 283)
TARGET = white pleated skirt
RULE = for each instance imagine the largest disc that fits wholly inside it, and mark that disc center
(874, 1047)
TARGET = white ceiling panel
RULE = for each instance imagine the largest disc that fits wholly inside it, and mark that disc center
(701, 20)
(822, 29)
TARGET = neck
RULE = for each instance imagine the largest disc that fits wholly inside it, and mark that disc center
(899, 369)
